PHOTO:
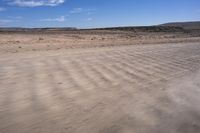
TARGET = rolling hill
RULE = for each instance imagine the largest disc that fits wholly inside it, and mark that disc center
(195, 25)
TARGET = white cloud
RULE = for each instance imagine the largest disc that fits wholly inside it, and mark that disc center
(4, 21)
(90, 11)
(90, 19)
(35, 3)
(15, 17)
(59, 19)
(76, 10)
(82, 10)
(9, 20)
(2, 9)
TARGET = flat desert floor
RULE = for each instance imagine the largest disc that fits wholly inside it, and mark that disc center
(150, 88)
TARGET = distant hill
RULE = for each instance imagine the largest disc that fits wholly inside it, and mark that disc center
(37, 29)
(167, 27)
(131, 28)
(145, 29)
(185, 25)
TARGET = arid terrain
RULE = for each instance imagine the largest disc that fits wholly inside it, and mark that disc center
(99, 81)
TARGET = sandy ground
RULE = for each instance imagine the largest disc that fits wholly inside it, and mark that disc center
(150, 88)
(12, 42)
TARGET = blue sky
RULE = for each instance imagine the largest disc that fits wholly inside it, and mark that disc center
(95, 13)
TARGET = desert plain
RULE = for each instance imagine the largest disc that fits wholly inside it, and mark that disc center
(99, 81)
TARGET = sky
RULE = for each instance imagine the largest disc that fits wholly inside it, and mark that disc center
(96, 13)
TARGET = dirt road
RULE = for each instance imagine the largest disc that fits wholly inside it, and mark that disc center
(127, 89)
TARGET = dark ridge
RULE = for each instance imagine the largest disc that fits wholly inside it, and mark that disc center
(195, 25)
(144, 29)
(132, 29)
(18, 29)
(168, 27)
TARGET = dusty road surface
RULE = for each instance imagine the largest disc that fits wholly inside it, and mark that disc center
(126, 89)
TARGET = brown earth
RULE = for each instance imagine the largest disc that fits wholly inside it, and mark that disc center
(15, 42)
(75, 83)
